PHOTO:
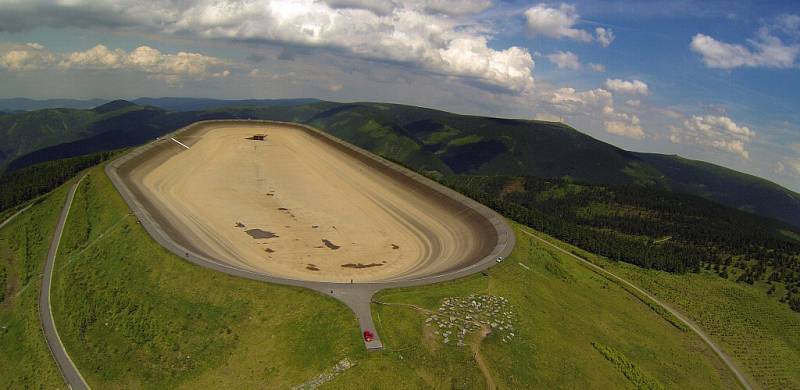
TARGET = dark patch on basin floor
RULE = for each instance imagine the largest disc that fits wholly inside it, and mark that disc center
(395, 246)
(258, 233)
(269, 250)
(361, 265)
(239, 225)
(330, 244)
(312, 267)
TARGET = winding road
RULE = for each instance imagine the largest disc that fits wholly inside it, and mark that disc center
(71, 374)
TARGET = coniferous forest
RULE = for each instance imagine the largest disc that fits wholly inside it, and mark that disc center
(27, 183)
(652, 229)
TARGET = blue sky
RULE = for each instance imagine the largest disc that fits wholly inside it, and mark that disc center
(714, 80)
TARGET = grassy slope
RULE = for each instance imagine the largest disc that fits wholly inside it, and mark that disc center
(133, 315)
(25, 361)
(562, 308)
(755, 329)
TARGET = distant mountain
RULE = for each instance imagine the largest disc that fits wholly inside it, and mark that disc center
(25, 132)
(22, 104)
(114, 105)
(436, 142)
(192, 104)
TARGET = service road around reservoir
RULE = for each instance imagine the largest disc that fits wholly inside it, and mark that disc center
(70, 373)
(288, 204)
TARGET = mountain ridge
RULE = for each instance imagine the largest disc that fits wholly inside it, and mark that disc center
(432, 141)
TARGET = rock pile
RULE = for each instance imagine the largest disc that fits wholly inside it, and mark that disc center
(458, 317)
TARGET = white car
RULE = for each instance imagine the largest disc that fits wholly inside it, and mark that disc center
(500, 259)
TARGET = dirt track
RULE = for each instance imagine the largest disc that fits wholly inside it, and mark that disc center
(298, 206)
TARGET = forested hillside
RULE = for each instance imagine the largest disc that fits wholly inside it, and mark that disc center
(653, 229)
(25, 132)
(25, 184)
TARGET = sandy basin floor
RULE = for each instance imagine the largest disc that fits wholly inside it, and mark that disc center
(295, 206)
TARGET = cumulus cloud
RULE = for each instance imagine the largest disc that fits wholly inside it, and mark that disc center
(633, 102)
(170, 67)
(604, 36)
(765, 50)
(419, 34)
(549, 21)
(632, 87)
(626, 126)
(600, 102)
(556, 22)
(718, 132)
(565, 60)
(27, 57)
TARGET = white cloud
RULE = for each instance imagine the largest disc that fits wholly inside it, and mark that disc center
(597, 102)
(549, 21)
(28, 57)
(604, 36)
(633, 102)
(627, 126)
(170, 67)
(565, 60)
(718, 132)
(632, 87)
(788, 24)
(600, 68)
(429, 35)
(767, 51)
(556, 22)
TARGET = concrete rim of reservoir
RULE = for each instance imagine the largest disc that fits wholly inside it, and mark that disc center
(478, 235)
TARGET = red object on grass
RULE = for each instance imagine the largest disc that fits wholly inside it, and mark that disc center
(368, 336)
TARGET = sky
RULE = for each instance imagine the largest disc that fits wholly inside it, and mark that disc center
(717, 81)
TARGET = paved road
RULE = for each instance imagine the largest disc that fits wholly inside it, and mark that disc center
(356, 296)
(71, 374)
(722, 355)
